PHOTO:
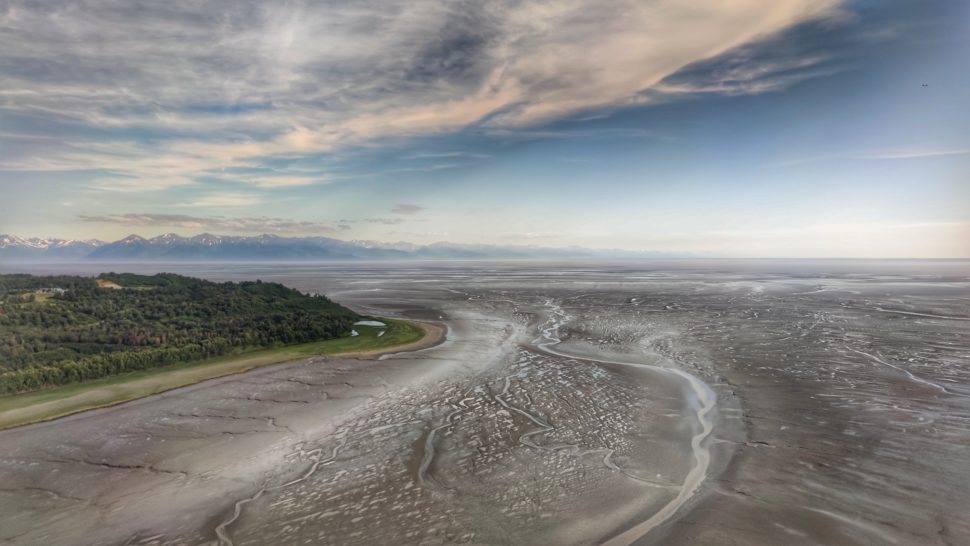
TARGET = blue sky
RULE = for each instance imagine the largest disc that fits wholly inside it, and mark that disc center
(747, 128)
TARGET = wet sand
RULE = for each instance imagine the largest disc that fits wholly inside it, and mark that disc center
(479, 439)
(568, 405)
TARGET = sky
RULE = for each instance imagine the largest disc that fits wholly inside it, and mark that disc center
(738, 128)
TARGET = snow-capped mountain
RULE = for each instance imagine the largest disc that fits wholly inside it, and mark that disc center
(45, 249)
(207, 247)
(12, 241)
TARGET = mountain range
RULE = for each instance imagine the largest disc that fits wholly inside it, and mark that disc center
(207, 247)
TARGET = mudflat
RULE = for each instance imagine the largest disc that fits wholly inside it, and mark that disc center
(622, 404)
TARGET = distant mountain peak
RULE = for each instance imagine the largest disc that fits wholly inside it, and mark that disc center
(207, 239)
(166, 238)
(10, 240)
(12, 246)
(171, 247)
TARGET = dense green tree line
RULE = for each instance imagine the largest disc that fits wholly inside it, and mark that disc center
(64, 329)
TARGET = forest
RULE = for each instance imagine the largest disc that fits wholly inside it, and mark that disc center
(56, 330)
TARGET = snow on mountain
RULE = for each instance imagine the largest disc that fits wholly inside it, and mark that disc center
(45, 249)
(13, 241)
(166, 239)
(171, 247)
(400, 245)
(207, 239)
(7, 241)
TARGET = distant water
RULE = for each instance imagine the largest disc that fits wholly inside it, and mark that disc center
(809, 268)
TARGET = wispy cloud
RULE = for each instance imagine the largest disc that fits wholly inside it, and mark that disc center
(440, 155)
(128, 184)
(425, 169)
(772, 62)
(285, 181)
(403, 209)
(384, 221)
(607, 133)
(225, 200)
(191, 89)
(887, 154)
(751, 80)
(407, 208)
(253, 224)
(911, 154)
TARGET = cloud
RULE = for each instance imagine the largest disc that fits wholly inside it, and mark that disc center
(911, 154)
(428, 168)
(385, 221)
(576, 134)
(179, 90)
(406, 208)
(253, 224)
(225, 200)
(535, 237)
(773, 62)
(440, 155)
(754, 78)
(888, 154)
(403, 209)
(284, 181)
(125, 184)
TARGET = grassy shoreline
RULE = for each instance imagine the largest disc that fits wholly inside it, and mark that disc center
(44, 405)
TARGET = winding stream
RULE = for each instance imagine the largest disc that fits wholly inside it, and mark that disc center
(703, 403)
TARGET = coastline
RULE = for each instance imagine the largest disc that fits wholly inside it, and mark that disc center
(434, 334)
(141, 385)
(813, 440)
